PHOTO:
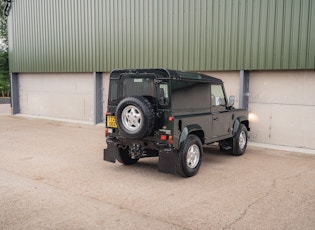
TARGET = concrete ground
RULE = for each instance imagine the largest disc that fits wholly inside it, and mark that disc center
(52, 176)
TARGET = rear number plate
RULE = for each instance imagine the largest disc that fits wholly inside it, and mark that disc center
(111, 122)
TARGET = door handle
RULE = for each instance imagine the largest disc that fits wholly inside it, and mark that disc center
(216, 118)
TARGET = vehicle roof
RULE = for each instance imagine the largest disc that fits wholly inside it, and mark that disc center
(166, 74)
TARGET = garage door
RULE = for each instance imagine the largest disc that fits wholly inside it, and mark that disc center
(63, 96)
(282, 105)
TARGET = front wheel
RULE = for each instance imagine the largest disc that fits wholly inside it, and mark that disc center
(190, 156)
(240, 141)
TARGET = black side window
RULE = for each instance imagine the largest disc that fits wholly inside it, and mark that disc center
(163, 94)
(113, 92)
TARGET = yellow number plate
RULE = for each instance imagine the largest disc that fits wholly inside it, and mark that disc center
(111, 122)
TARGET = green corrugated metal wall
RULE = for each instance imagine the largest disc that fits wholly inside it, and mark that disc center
(99, 35)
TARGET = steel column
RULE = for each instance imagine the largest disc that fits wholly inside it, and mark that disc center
(15, 95)
(244, 89)
(98, 97)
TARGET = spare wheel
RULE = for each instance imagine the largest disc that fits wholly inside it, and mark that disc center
(135, 117)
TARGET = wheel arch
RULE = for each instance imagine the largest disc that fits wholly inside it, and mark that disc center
(191, 129)
(238, 121)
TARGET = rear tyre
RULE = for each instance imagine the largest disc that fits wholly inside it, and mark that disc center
(240, 141)
(124, 157)
(190, 156)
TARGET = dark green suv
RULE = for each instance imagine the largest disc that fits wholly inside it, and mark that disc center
(170, 114)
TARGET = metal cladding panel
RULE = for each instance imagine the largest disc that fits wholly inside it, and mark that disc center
(101, 35)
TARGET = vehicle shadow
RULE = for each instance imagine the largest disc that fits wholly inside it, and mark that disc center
(211, 156)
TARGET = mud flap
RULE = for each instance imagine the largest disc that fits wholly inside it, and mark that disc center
(234, 149)
(110, 154)
(167, 161)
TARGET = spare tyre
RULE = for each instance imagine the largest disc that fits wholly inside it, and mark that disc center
(135, 117)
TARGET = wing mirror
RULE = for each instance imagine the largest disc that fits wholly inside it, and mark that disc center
(231, 101)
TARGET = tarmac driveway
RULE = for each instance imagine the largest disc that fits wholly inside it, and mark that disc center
(52, 176)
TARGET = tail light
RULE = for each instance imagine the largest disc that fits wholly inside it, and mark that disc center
(163, 137)
(165, 132)
(168, 138)
(107, 130)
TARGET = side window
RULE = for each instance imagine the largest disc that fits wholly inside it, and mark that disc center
(163, 94)
(113, 92)
(217, 96)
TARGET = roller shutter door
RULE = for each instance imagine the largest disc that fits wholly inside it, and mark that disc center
(57, 95)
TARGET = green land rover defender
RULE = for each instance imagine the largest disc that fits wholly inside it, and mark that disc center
(170, 114)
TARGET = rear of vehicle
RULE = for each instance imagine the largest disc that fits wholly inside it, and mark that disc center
(139, 122)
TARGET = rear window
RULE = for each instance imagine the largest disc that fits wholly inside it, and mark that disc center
(138, 86)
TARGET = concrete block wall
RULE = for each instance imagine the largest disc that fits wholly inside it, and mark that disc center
(281, 103)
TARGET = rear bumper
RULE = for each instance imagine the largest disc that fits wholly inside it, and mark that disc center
(168, 156)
